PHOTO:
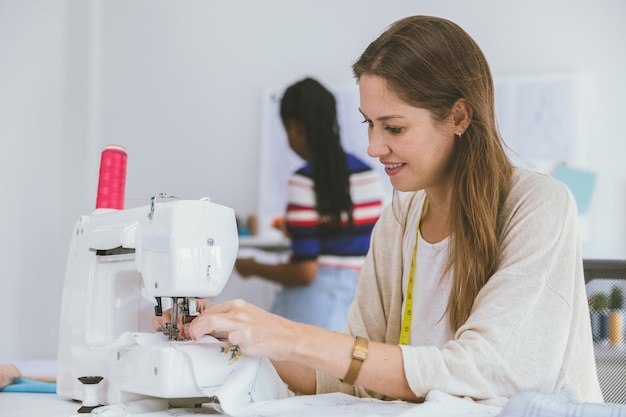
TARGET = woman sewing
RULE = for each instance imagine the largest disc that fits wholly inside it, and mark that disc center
(473, 283)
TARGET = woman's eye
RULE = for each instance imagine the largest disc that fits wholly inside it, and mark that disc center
(393, 130)
(368, 122)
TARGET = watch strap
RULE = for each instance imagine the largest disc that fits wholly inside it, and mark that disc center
(358, 357)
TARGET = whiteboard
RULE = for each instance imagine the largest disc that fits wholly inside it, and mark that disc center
(540, 119)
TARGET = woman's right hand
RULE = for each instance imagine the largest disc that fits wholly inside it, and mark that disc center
(159, 323)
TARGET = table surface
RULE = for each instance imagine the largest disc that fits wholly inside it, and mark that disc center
(28, 404)
(14, 404)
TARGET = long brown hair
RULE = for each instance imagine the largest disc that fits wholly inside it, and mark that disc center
(430, 62)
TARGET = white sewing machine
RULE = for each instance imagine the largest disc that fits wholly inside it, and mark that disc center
(120, 263)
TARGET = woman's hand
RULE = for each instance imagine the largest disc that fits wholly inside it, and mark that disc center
(8, 374)
(159, 323)
(256, 331)
(263, 334)
(288, 273)
(246, 267)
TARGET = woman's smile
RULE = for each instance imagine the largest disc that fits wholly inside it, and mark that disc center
(393, 168)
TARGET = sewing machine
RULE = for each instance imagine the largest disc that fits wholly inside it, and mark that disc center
(120, 264)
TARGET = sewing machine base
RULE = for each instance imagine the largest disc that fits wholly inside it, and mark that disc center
(135, 372)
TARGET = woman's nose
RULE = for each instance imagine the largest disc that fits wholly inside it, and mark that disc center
(376, 146)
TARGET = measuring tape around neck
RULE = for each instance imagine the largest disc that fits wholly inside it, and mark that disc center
(407, 317)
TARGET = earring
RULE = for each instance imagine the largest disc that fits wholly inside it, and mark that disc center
(459, 134)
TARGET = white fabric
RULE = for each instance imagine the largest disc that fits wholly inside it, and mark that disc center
(437, 404)
(558, 404)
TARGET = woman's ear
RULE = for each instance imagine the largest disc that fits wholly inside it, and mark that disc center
(461, 116)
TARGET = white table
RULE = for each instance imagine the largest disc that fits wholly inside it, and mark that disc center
(30, 404)
(333, 405)
(27, 404)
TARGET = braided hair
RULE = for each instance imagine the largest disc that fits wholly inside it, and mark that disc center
(311, 104)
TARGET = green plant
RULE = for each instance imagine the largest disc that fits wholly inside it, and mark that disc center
(616, 298)
(599, 301)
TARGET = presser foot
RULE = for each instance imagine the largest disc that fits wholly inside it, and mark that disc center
(173, 333)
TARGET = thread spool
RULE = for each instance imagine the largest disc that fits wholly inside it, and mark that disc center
(253, 226)
(90, 393)
(112, 178)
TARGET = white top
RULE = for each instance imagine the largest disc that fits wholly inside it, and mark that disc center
(429, 326)
(529, 328)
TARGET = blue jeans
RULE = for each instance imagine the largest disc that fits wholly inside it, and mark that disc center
(322, 303)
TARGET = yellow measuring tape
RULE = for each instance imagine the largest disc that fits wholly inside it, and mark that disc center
(405, 330)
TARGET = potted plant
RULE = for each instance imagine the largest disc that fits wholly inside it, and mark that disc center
(616, 322)
(599, 307)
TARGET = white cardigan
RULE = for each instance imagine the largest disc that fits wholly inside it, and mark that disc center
(529, 328)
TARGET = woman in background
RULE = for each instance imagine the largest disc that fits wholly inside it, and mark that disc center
(333, 202)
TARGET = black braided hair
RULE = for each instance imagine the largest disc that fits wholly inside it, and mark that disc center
(311, 104)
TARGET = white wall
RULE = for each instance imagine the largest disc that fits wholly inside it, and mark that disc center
(35, 168)
(180, 84)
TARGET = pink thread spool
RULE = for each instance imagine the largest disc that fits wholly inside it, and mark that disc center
(112, 179)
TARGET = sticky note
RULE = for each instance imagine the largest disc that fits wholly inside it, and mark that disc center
(580, 182)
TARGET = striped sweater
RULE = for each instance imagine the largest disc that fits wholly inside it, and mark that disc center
(345, 248)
